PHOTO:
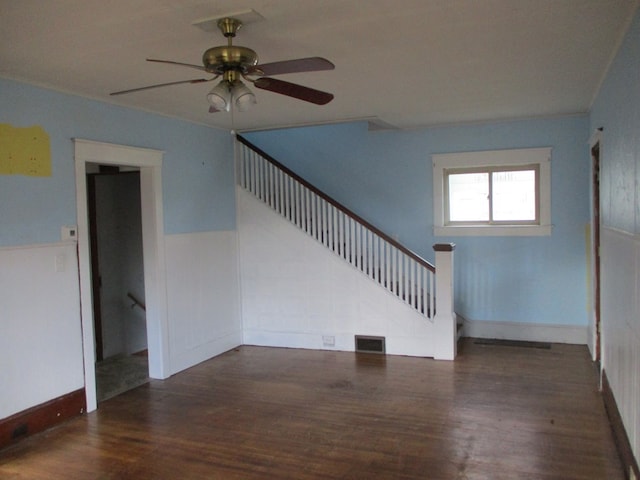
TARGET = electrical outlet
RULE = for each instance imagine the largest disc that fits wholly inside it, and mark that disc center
(328, 341)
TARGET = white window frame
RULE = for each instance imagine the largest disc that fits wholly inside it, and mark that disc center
(539, 157)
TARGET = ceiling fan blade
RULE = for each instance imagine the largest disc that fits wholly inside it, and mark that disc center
(171, 62)
(149, 87)
(293, 90)
(311, 64)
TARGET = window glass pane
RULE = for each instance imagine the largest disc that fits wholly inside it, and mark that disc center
(468, 197)
(514, 196)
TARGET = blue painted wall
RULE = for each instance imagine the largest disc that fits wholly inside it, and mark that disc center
(197, 170)
(386, 177)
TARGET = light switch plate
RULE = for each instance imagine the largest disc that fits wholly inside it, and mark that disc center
(69, 232)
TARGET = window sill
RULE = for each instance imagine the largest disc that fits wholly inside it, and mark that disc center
(493, 231)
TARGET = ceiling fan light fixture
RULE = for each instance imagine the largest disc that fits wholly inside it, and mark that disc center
(220, 97)
(233, 62)
(243, 97)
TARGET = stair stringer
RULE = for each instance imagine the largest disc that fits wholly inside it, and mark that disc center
(295, 291)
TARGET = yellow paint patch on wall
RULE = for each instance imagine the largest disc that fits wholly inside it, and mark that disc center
(24, 151)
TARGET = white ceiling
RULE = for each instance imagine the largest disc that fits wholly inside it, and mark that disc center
(407, 63)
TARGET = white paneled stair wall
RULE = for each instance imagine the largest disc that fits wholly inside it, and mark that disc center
(327, 234)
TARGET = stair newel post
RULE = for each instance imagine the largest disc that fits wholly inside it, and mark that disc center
(445, 341)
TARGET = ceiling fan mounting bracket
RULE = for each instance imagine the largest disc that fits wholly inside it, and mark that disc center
(229, 26)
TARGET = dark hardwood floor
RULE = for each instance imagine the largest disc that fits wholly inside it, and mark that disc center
(497, 412)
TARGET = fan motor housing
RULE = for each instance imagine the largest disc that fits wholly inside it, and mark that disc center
(220, 59)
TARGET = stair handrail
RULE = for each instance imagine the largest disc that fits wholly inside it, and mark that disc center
(136, 302)
(410, 253)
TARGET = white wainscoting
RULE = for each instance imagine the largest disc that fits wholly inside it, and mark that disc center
(620, 257)
(295, 292)
(202, 296)
(40, 330)
(530, 332)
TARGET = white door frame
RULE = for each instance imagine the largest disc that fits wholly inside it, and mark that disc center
(150, 164)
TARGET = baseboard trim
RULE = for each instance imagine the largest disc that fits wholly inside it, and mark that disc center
(41, 417)
(416, 346)
(530, 332)
(620, 436)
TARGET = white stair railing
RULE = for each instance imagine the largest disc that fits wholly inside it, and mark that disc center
(385, 261)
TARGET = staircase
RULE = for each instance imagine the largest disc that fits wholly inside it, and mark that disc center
(390, 265)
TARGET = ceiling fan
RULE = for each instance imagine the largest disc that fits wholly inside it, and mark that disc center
(234, 62)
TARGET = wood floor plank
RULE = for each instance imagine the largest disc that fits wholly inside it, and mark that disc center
(497, 412)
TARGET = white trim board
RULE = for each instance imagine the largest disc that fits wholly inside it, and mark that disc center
(530, 332)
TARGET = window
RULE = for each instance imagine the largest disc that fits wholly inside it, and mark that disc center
(491, 195)
(502, 192)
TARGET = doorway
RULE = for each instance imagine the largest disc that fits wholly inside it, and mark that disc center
(149, 164)
(117, 274)
(595, 235)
